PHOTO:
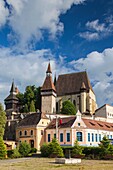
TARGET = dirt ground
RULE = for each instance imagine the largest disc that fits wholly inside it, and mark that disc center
(49, 164)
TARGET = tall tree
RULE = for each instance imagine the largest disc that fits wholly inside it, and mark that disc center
(68, 108)
(32, 107)
(2, 120)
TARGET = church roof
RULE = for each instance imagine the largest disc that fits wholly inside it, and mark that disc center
(11, 97)
(48, 84)
(71, 83)
(66, 122)
(12, 87)
(30, 119)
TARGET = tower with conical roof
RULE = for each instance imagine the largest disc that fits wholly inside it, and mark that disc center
(11, 101)
(48, 93)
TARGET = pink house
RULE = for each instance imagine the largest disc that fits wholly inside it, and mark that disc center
(89, 132)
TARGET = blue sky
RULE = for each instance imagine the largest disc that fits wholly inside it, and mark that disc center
(76, 35)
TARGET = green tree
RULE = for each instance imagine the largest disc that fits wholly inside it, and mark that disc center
(68, 108)
(3, 151)
(24, 148)
(2, 120)
(16, 153)
(105, 147)
(32, 107)
(31, 93)
(45, 150)
(55, 149)
(77, 150)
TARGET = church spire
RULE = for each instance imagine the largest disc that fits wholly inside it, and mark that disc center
(49, 72)
(12, 87)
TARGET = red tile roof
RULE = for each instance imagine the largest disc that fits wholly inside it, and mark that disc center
(49, 69)
(48, 84)
(66, 122)
(100, 125)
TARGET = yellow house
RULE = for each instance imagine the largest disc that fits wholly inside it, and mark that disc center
(31, 130)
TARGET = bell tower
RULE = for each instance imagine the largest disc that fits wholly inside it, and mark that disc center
(48, 93)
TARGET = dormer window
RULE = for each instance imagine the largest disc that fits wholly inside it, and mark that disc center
(79, 124)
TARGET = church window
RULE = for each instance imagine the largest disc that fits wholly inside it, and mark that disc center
(79, 136)
(41, 132)
(78, 124)
(55, 135)
(74, 102)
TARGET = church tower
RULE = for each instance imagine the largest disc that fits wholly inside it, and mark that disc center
(48, 93)
(11, 102)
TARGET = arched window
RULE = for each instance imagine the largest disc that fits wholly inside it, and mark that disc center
(79, 136)
(74, 102)
(31, 132)
(20, 133)
(25, 132)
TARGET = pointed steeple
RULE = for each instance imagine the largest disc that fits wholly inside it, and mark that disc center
(49, 72)
(12, 87)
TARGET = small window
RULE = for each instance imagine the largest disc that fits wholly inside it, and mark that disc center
(31, 132)
(68, 137)
(41, 132)
(79, 136)
(61, 137)
(96, 138)
(78, 124)
(92, 137)
(49, 138)
(88, 137)
(55, 135)
(25, 132)
(99, 137)
(20, 133)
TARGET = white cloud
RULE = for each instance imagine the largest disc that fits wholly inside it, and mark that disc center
(95, 25)
(100, 70)
(89, 35)
(30, 18)
(97, 30)
(26, 69)
(3, 13)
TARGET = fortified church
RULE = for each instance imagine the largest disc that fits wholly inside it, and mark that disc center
(37, 128)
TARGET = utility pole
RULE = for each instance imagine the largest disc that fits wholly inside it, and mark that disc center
(56, 128)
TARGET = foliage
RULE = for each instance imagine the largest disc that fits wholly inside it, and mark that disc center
(105, 147)
(32, 107)
(24, 148)
(77, 150)
(2, 120)
(16, 153)
(53, 149)
(91, 152)
(68, 108)
(3, 151)
(33, 150)
(9, 153)
(30, 100)
(44, 150)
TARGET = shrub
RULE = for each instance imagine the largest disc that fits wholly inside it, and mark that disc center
(33, 150)
(16, 153)
(91, 152)
(77, 150)
(44, 150)
(68, 108)
(24, 149)
(55, 149)
(9, 153)
(3, 151)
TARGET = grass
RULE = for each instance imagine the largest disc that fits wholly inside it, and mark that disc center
(48, 164)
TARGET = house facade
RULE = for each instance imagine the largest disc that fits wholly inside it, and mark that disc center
(88, 132)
